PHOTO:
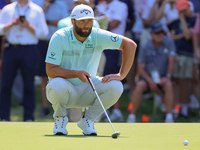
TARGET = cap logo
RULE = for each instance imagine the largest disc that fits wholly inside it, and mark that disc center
(86, 11)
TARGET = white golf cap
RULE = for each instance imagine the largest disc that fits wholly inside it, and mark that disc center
(81, 12)
(87, 1)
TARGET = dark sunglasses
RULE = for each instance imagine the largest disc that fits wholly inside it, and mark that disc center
(159, 32)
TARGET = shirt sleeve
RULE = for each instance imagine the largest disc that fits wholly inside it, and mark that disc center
(121, 14)
(166, 8)
(109, 40)
(4, 19)
(141, 55)
(55, 50)
(41, 29)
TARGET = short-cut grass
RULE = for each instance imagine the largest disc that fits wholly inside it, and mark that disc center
(138, 136)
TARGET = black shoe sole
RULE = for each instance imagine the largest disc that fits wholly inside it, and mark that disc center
(92, 134)
(60, 133)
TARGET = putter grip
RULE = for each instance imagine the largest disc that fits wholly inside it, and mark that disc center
(90, 81)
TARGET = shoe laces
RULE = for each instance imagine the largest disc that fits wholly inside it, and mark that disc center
(57, 121)
(90, 123)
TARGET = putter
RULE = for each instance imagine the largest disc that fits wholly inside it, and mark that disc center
(115, 134)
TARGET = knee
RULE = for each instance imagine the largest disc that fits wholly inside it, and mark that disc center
(116, 86)
(168, 85)
(56, 89)
(140, 87)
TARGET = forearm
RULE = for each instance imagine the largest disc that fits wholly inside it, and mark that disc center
(56, 71)
(143, 74)
(114, 24)
(160, 12)
(7, 27)
(52, 22)
(195, 42)
(31, 29)
(175, 36)
(128, 53)
(186, 32)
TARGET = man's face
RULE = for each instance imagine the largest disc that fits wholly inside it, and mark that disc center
(158, 36)
(83, 27)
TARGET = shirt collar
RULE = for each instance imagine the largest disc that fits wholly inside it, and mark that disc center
(73, 38)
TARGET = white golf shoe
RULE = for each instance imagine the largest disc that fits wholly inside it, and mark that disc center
(60, 126)
(87, 126)
(131, 118)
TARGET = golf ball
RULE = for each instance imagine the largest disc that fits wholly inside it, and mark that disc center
(185, 142)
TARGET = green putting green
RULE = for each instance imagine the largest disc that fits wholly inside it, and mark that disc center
(138, 136)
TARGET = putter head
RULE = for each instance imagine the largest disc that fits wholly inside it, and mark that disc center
(115, 135)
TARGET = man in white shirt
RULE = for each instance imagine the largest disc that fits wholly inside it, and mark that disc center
(22, 23)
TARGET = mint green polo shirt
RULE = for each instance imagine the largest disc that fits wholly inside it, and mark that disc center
(69, 53)
(66, 22)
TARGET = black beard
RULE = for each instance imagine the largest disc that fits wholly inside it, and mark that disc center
(81, 33)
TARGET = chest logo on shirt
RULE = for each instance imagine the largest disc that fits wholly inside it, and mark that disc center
(89, 46)
(114, 37)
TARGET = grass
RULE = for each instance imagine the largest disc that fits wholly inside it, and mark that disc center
(138, 136)
(145, 108)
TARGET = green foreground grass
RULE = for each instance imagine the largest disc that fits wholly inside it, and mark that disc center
(145, 108)
(138, 136)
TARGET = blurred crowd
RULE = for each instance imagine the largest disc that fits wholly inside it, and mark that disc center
(166, 64)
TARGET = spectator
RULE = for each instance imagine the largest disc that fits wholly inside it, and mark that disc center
(194, 103)
(196, 33)
(136, 32)
(168, 10)
(148, 16)
(4, 2)
(155, 66)
(182, 34)
(17, 88)
(117, 12)
(194, 6)
(54, 11)
(22, 22)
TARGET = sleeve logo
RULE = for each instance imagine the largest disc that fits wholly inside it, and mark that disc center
(52, 55)
(114, 37)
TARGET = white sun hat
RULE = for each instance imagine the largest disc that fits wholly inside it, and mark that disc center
(81, 12)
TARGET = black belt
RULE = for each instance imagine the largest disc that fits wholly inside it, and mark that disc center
(19, 45)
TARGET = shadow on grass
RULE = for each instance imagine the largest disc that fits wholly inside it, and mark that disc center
(75, 136)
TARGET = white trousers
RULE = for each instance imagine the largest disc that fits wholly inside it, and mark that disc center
(62, 94)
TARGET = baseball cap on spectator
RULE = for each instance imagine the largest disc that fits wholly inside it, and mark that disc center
(182, 4)
(81, 12)
(156, 27)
